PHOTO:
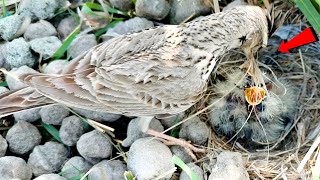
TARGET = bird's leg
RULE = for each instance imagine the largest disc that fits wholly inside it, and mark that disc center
(169, 140)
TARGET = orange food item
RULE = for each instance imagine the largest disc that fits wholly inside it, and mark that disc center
(254, 95)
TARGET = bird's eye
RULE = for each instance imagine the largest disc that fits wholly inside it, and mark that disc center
(243, 39)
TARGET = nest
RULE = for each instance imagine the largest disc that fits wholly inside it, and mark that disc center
(294, 154)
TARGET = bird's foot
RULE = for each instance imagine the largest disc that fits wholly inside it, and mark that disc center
(169, 140)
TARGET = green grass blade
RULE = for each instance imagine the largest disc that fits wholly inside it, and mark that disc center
(105, 29)
(66, 43)
(310, 12)
(177, 161)
(4, 10)
(52, 130)
(98, 7)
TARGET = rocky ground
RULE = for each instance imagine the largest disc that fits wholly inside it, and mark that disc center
(56, 142)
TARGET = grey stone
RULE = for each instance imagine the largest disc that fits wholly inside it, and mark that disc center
(47, 158)
(229, 166)
(122, 4)
(97, 116)
(107, 169)
(40, 9)
(3, 55)
(66, 26)
(134, 131)
(55, 67)
(181, 153)
(18, 53)
(234, 3)
(3, 146)
(3, 89)
(23, 137)
(182, 10)
(94, 146)
(135, 24)
(148, 158)
(50, 177)
(76, 166)
(152, 9)
(13, 26)
(29, 115)
(171, 120)
(40, 29)
(194, 130)
(14, 168)
(82, 44)
(53, 114)
(196, 169)
(46, 46)
(71, 129)
(14, 84)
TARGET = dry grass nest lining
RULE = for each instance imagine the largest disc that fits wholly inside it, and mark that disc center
(302, 69)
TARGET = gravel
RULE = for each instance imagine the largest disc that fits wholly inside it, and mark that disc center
(46, 46)
(13, 84)
(40, 29)
(18, 53)
(76, 166)
(3, 146)
(152, 9)
(3, 55)
(122, 4)
(181, 153)
(97, 116)
(55, 67)
(82, 44)
(229, 166)
(182, 10)
(194, 130)
(13, 168)
(30, 115)
(47, 158)
(169, 121)
(66, 26)
(40, 9)
(50, 177)
(94, 146)
(3, 89)
(13, 26)
(71, 129)
(107, 169)
(149, 158)
(23, 137)
(53, 114)
(135, 24)
(196, 169)
(134, 130)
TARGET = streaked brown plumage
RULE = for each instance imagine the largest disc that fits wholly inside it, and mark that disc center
(158, 71)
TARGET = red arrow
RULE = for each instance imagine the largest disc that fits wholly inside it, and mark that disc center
(305, 37)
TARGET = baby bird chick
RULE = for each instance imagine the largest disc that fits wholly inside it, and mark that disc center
(264, 123)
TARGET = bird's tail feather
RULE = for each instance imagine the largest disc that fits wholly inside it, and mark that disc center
(22, 99)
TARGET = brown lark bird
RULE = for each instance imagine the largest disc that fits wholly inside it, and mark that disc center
(157, 71)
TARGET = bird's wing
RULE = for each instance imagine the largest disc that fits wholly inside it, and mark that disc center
(139, 74)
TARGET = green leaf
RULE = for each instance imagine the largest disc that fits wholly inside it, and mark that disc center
(310, 12)
(105, 29)
(4, 84)
(177, 161)
(52, 130)
(66, 43)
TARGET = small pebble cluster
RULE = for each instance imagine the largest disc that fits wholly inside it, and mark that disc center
(33, 34)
